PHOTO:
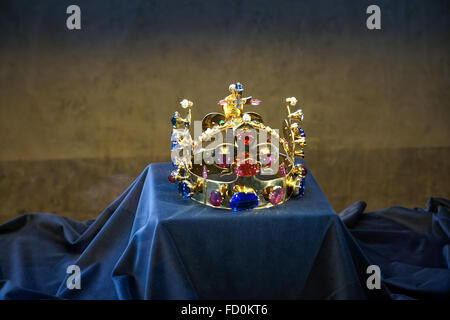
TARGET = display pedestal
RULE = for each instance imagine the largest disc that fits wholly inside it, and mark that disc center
(152, 243)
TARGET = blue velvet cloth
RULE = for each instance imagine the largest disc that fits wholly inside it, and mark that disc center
(411, 246)
(152, 244)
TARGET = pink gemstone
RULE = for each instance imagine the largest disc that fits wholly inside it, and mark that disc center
(255, 102)
(267, 160)
(215, 198)
(283, 170)
(277, 195)
(205, 172)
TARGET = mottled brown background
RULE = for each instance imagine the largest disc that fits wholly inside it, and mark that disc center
(83, 112)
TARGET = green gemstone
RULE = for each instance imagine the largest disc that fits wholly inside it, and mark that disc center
(221, 122)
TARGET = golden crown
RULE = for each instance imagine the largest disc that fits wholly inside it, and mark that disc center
(236, 161)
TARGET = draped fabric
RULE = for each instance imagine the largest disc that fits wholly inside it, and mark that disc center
(150, 243)
(411, 246)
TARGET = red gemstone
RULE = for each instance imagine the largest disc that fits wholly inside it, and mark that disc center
(304, 171)
(246, 169)
(246, 166)
(246, 137)
(171, 178)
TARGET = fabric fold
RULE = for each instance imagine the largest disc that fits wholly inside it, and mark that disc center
(411, 246)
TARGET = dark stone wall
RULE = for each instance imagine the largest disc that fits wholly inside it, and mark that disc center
(82, 112)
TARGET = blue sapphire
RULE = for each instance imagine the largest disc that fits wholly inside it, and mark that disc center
(299, 195)
(302, 183)
(174, 120)
(184, 189)
(174, 144)
(301, 189)
(301, 132)
(243, 201)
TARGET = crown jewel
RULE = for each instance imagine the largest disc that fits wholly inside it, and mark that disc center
(235, 161)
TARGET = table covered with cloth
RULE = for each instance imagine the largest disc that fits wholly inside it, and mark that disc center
(151, 243)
